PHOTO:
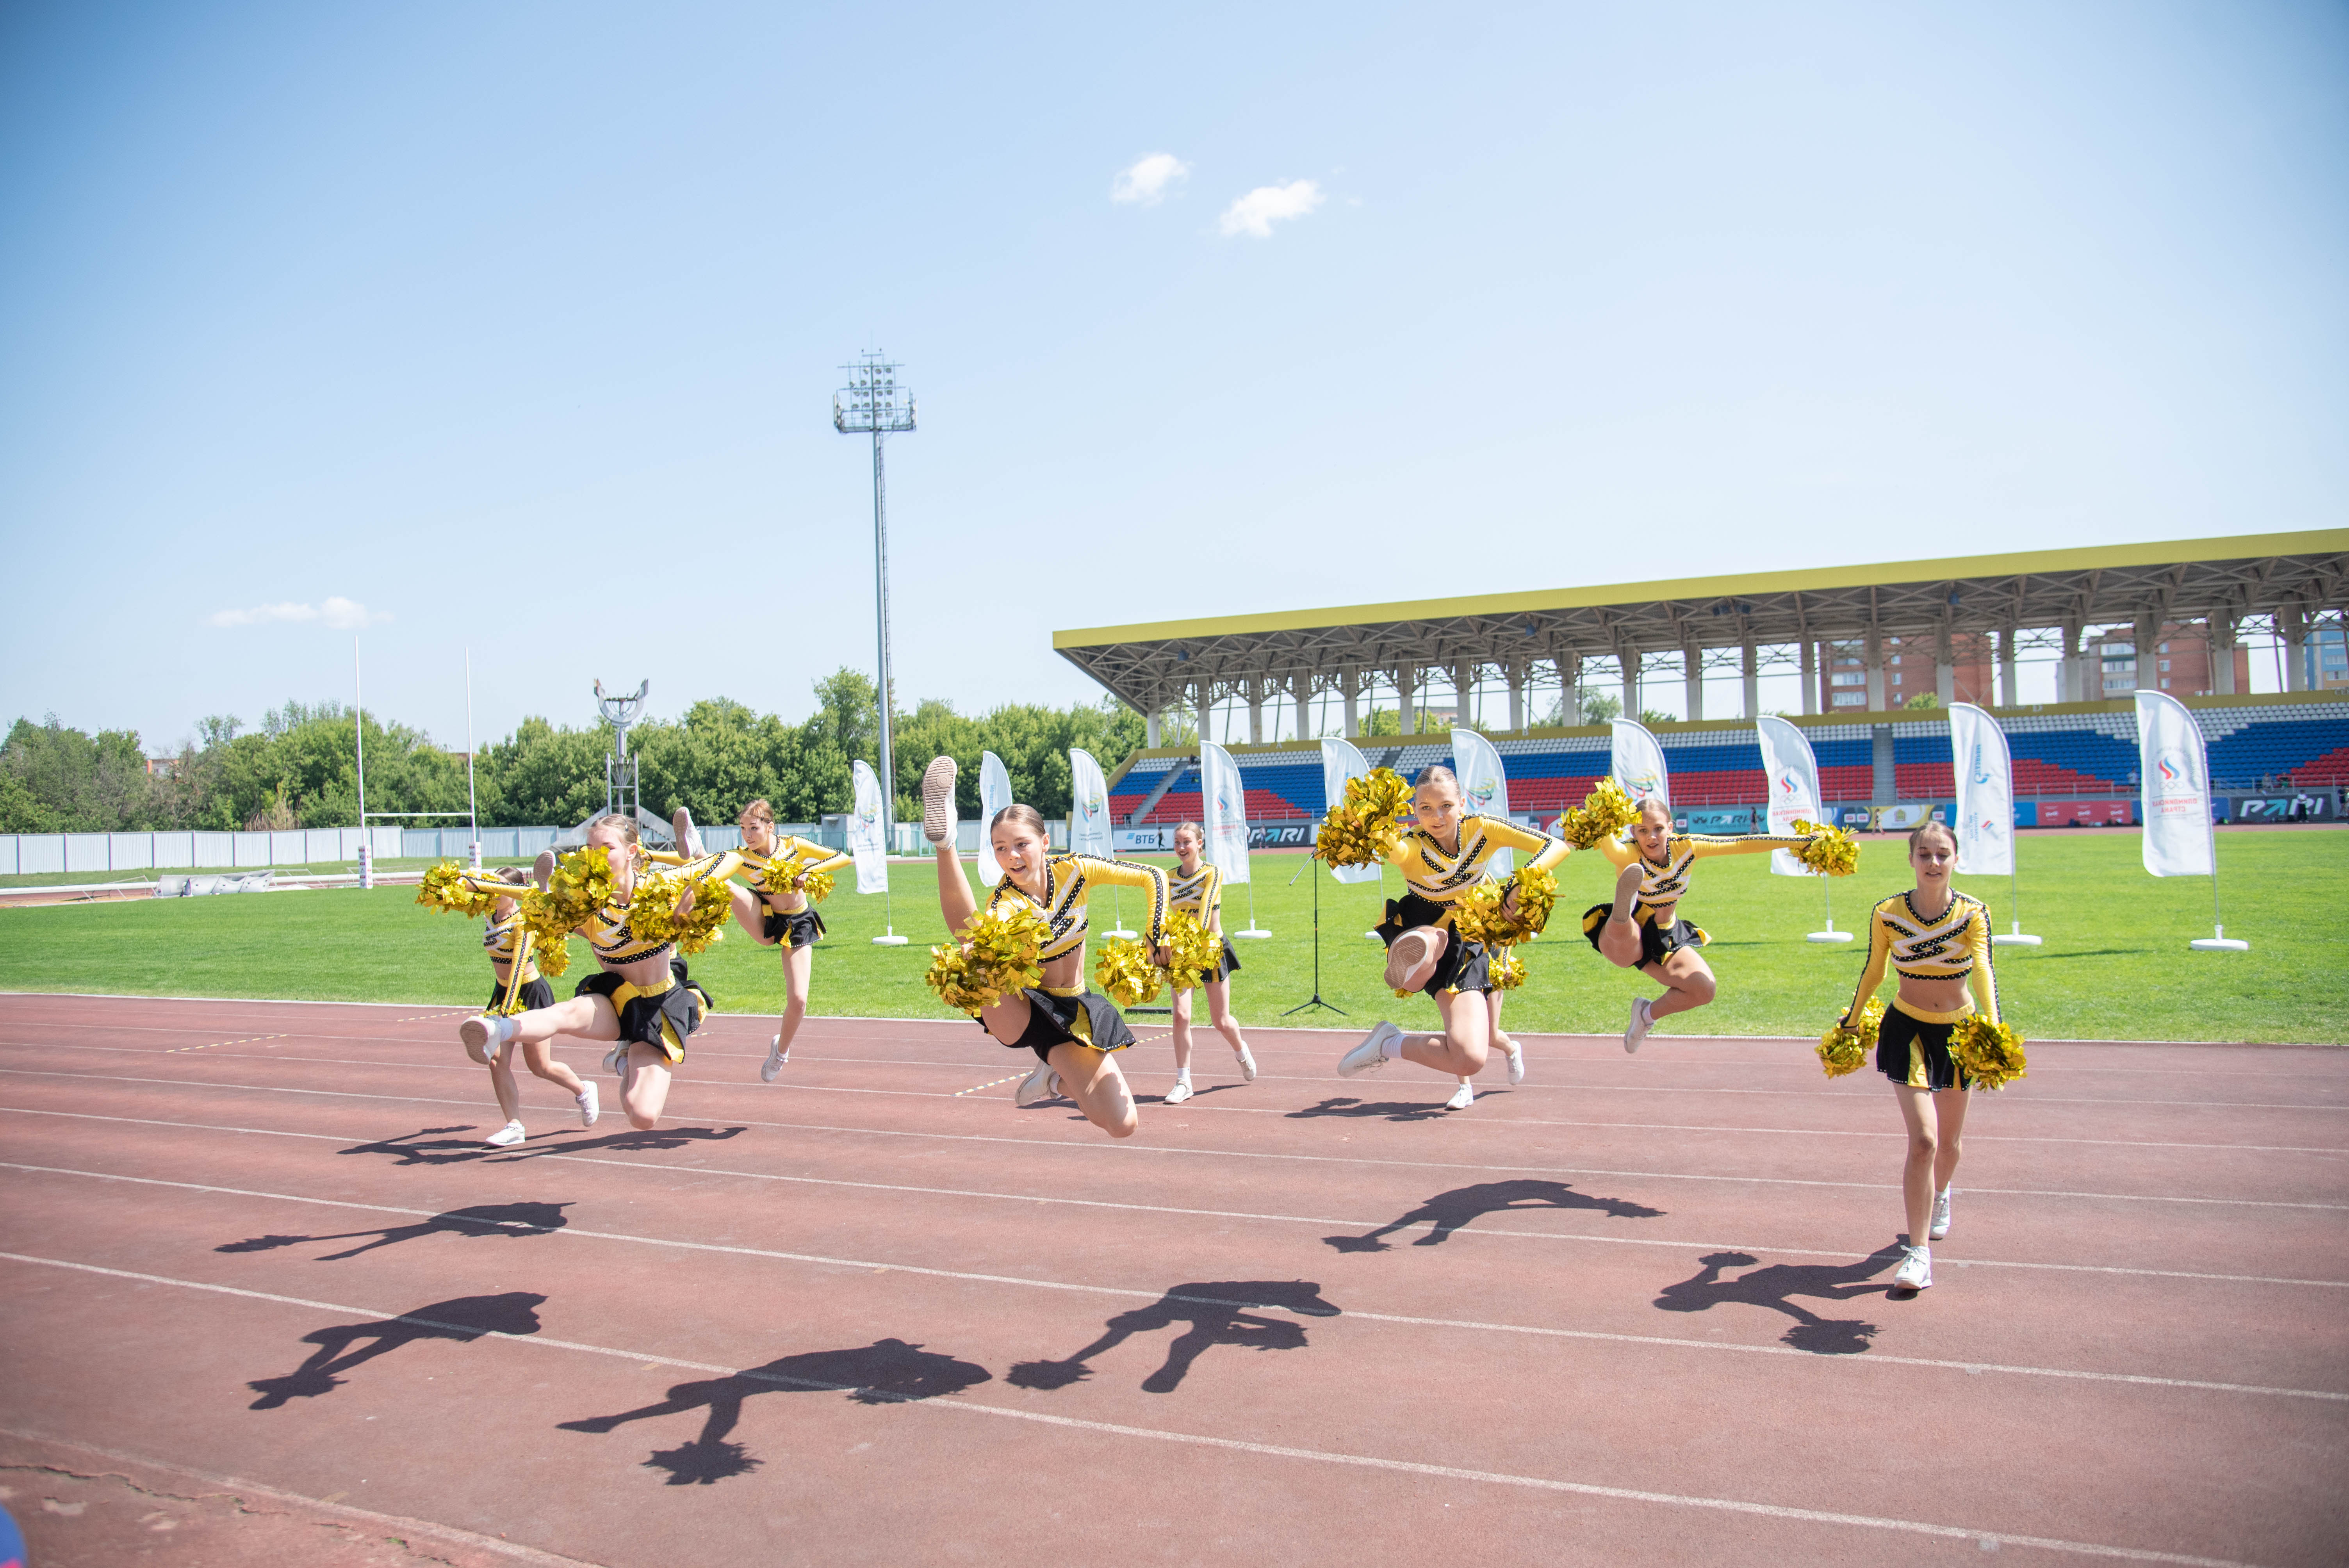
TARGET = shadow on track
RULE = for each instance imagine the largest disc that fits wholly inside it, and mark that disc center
(1217, 1313)
(480, 1219)
(1775, 1288)
(1449, 1212)
(409, 1147)
(885, 1372)
(1392, 1109)
(466, 1318)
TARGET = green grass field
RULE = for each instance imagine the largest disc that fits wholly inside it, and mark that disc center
(2115, 963)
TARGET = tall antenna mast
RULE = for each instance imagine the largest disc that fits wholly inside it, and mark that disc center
(874, 404)
(620, 786)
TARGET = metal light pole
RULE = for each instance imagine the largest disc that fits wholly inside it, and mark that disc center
(620, 782)
(874, 404)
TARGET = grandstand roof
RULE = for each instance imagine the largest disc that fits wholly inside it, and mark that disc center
(2243, 576)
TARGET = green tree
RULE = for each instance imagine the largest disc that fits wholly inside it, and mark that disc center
(1923, 699)
(1600, 706)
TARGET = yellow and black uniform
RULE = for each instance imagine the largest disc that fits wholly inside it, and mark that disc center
(1661, 887)
(1202, 895)
(1912, 1044)
(1435, 878)
(503, 940)
(662, 1014)
(792, 857)
(1061, 1014)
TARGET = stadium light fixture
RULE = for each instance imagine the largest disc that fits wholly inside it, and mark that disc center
(873, 405)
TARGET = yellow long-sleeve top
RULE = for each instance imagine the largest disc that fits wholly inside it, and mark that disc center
(792, 857)
(606, 930)
(504, 937)
(1202, 892)
(1069, 881)
(1669, 883)
(1956, 944)
(1444, 876)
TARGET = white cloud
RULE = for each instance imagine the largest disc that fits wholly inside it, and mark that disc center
(1256, 213)
(341, 614)
(1145, 181)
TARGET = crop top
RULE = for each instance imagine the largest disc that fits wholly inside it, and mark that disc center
(1069, 883)
(606, 930)
(795, 856)
(1445, 876)
(1956, 944)
(1201, 894)
(1667, 883)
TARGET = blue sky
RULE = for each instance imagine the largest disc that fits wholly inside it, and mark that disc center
(515, 328)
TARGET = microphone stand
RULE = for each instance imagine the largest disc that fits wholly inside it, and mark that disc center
(1316, 1000)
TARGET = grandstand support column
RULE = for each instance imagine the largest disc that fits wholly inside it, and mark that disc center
(2067, 665)
(1300, 687)
(1464, 693)
(1569, 689)
(1875, 653)
(1406, 678)
(2220, 636)
(2292, 626)
(2006, 666)
(1810, 659)
(2145, 636)
(1256, 684)
(1150, 730)
(1627, 658)
(1692, 681)
(1945, 669)
(1517, 671)
(1751, 668)
(1349, 685)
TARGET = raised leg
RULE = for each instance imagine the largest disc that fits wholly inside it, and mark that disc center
(647, 1091)
(1091, 1078)
(1467, 1037)
(1687, 981)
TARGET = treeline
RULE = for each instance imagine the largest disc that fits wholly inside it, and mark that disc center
(298, 770)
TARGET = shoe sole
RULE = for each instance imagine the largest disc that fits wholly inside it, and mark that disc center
(1412, 960)
(937, 799)
(473, 1033)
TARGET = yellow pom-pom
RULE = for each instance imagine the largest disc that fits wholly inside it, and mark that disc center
(998, 952)
(1990, 1054)
(1508, 970)
(1192, 950)
(1845, 1047)
(448, 887)
(1124, 973)
(552, 957)
(580, 884)
(1831, 850)
(784, 875)
(653, 916)
(1605, 811)
(1479, 917)
(1365, 827)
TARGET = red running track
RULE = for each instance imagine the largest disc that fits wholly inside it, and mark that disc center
(1634, 1311)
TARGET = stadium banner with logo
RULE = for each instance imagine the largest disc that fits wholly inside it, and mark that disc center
(2300, 806)
(1342, 761)
(1485, 786)
(1224, 803)
(1794, 770)
(1638, 762)
(1089, 824)
(865, 832)
(1985, 776)
(2174, 788)
(994, 794)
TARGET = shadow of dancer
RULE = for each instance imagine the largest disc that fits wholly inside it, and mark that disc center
(1392, 1109)
(1449, 1212)
(482, 1220)
(885, 1372)
(409, 1150)
(466, 1318)
(1775, 1288)
(1217, 1314)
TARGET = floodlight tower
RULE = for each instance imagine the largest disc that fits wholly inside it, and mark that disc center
(619, 768)
(874, 404)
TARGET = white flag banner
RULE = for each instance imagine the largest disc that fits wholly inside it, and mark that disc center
(1483, 787)
(1638, 763)
(1089, 825)
(994, 794)
(2174, 788)
(1794, 770)
(1224, 803)
(865, 832)
(1342, 761)
(1985, 771)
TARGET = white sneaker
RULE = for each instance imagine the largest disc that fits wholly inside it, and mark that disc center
(777, 1054)
(1517, 1061)
(1180, 1092)
(1916, 1270)
(1641, 1022)
(506, 1137)
(939, 800)
(1940, 1225)
(689, 841)
(1037, 1087)
(1247, 1066)
(589, 1105)
(615, 1060)
(1372, 1054)
(1462, 1098)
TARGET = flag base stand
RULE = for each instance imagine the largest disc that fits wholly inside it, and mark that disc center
(1250, 934)
(2219, 943)
(2014, 939)
(892, 940)
(1122, 930)
(1374, 936)
(1829, 935)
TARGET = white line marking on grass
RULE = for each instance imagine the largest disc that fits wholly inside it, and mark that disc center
(960, 1405)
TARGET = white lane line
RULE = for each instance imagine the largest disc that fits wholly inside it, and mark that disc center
(1206, 1213)
(386, 1523)
(958, 1403)
(1513, 1121)
(1876, 1187)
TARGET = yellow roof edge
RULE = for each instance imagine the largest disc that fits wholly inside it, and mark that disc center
(2083, 557)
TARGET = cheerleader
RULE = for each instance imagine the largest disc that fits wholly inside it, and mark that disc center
(1938, 941)
(1640, 931)
(1074, 1030)
(1198, 887)
(643, 999)
(1442, 858)
(772, 911)
(520, 984)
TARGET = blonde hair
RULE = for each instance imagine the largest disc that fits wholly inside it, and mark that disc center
(1658, 805)
(758, 812)
(1435, 773)
(625, 824)
(513, 876)
(1193, 829)
(1025, 816)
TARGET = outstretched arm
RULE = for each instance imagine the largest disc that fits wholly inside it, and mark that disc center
(1708, 845)
(1133, 874)
(1546, 850)
(812, 857)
